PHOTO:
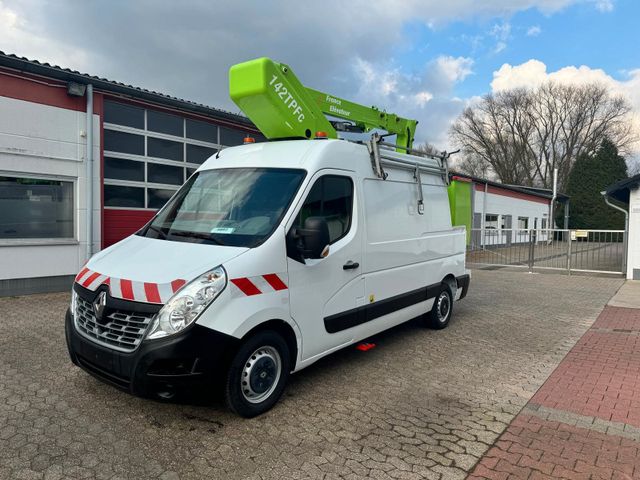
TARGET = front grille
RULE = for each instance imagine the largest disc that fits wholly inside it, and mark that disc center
(121, 330)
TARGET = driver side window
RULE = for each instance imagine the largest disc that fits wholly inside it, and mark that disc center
(331, 197)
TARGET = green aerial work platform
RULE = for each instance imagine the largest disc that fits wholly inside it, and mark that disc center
(275, 100)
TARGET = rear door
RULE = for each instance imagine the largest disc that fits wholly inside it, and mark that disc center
(322, 290)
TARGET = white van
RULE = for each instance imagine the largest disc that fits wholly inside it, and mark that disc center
(271, 256)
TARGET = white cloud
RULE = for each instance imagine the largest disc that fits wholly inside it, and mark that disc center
(421, 98)
(186, 50)
(455, 69)
(534, 72)
(502, 33)
(604, 5)
(19, 36)
(534, 31)
(425, 95)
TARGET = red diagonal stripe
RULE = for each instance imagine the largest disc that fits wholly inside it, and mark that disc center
(152, 293)
(127, 289)
(81, 273)
(177, 284)
(90, 279)
(275, 281)
(246, 286)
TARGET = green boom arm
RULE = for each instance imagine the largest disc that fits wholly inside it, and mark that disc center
(281, 107)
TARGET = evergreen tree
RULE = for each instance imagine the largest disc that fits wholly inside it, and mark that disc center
(590, 175)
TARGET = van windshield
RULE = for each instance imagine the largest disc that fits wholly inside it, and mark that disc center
(230, 206)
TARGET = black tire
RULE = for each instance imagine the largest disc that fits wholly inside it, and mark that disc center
(258, 374)
(440, 314)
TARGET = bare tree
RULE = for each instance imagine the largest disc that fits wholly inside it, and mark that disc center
(427, 148)
(633, 165)
(521, 135)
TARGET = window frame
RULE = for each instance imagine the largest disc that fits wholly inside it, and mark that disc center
(321, 178)
(526, 227)
(215, 144)
(25, 241)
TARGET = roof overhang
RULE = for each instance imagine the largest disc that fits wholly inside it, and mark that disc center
(32, 67)
(620, 190)
(535, 191)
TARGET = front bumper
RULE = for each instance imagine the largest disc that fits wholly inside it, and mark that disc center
(192, 360)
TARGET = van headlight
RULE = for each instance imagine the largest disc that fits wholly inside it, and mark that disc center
(188, 303)
(74, 303)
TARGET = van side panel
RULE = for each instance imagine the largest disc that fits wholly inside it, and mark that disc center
(405, 251)
(397, 235)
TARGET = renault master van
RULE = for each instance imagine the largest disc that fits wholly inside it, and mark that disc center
(270, 257)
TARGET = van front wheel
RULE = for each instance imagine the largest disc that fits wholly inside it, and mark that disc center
(440, 314)
(258, 374)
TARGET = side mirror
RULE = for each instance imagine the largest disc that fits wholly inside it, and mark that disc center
(310, 241)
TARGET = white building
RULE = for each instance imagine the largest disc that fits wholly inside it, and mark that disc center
(627, 192)
(144, 146)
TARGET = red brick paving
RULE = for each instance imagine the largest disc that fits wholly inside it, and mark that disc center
(535, 448)
(599, 377)
(617, 317)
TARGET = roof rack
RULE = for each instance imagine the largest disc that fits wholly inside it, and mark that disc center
(383, 153)
(386, 154)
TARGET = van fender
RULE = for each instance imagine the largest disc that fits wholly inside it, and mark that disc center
(241, 329)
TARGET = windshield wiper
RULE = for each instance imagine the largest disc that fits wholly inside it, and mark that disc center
(200, 235)
(157, 230)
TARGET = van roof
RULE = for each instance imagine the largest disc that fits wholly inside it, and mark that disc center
(307, 154)
(310, 155)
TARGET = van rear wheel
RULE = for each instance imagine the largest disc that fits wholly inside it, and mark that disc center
(440, 314)
(258, 374)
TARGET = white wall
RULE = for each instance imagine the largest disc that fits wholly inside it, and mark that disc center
(502, 205)
(48, 142)
(633, 242)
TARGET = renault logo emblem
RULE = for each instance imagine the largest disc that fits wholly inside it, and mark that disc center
(99, 305)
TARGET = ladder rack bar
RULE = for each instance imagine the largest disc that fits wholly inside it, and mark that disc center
(411, 161)
(412, 166)
(411, 151)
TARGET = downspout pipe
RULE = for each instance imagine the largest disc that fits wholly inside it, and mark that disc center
(89, 172)
(626, 229)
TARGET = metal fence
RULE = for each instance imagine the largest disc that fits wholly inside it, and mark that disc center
(601, 251)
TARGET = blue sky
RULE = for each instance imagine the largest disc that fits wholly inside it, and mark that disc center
(423, 59)
(577, 35)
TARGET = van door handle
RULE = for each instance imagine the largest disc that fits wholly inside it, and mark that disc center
(350, 265)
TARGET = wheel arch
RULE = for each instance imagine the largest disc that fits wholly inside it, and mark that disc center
(451, 282)
(285, 330)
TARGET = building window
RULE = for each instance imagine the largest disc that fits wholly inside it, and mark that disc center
(231, 137)
(203, 131)
(123, 142)
(543, 224)
(165, 123)
(119, 169)
(121, 196)
(523, 223)
(165, 174)
(148, 153)
(122, 114)
(198, 154)
(491, 221)
(158, 197)
(36, 208)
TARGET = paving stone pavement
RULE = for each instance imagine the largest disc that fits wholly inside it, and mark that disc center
(422, 404)
(584, 422)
